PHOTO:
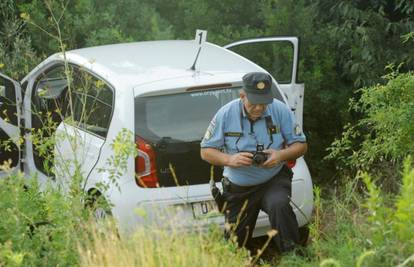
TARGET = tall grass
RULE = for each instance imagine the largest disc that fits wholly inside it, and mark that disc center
(154, 247)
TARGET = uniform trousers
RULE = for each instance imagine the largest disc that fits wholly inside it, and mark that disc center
(243, 203)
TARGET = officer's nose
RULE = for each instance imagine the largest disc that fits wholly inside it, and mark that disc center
(260, 107)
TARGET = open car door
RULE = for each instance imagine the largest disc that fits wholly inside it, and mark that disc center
(10, 114)
(280, 57)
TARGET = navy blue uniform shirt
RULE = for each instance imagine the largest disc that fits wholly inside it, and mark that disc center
(231, 131)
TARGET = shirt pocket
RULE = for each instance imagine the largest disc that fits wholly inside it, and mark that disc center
(230, 141)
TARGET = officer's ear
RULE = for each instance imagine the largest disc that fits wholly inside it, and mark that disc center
(242, 94)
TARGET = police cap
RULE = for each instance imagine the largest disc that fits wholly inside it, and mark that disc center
(258, 87)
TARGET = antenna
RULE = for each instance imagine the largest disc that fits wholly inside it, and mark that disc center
(195, 61)
(200, 38)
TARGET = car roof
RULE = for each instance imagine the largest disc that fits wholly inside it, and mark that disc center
(133, 64)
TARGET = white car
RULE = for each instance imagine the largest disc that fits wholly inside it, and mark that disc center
(165, 92)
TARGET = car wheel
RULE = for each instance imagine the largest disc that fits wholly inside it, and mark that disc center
(98, 205)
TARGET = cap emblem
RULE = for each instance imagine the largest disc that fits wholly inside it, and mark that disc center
(260, 85)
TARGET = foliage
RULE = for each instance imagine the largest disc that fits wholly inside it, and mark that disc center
(79, 25)
(338, 233)
(38, 228)
(17, 55)
(403, 221)
(374, 229)
(351, 43)
(368, 36)
(392, 226)
(385, 133)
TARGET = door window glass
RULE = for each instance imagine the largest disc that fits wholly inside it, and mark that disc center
(9, 152)
(8, 108)
(275, 57)
(92, 103)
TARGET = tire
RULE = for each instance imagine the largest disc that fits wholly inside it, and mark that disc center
(98, 205)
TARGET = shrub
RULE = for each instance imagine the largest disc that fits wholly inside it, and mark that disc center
(385, 135)
(370, 229)
(392, 222)
(17, 56)
(38, 228)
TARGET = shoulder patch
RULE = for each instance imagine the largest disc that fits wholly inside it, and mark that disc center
(297, 130)
(211, 129)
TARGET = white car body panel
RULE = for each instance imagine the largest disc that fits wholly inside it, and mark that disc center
(82, 149)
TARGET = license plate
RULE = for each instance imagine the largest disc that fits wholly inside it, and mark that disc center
(205, 209)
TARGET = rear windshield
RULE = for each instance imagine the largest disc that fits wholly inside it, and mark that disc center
(183, 116)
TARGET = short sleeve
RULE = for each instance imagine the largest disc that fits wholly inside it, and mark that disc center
(291, 130)
(214, 136)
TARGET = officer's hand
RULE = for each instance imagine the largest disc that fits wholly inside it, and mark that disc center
(240, 159)
(273, 158)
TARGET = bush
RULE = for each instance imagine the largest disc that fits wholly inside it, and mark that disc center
(17, 56)
(391, 223)
(384, 135)
(370, 229)
(38, 228)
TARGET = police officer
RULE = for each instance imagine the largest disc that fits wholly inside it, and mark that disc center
(253, 137)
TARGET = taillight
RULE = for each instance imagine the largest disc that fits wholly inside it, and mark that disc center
(291, 163)
(145, 168)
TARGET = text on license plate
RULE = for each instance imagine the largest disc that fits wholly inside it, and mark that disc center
(205, 209)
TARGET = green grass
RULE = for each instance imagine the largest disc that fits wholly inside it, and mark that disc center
(160, 247)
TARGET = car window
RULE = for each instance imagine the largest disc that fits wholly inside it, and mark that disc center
(8, 109)
(89, 99)
(275, 57)
(92, 103)
(183, 116)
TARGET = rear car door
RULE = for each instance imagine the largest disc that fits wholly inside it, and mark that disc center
(80, 137)
(280, 57)
(10, 114)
